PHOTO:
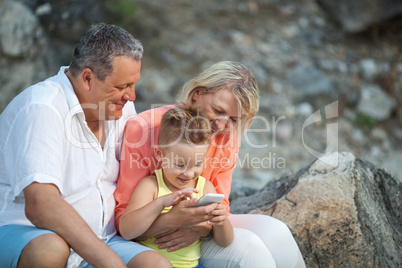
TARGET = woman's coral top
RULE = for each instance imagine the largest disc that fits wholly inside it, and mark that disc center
(138, 160)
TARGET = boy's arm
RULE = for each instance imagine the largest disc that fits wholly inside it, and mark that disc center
(142, 209)
(182, 215)
(136, 163)
(145, 207)
(222, 228)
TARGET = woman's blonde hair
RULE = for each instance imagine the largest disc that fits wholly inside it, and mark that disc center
(233, 76)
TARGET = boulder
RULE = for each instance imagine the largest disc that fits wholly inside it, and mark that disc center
(27, 56)
(17, 29)
(357, 15)
(342, 211)
(312, 85)
(375, 103)
(68, 20)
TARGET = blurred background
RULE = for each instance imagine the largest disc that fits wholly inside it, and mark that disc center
(305, 54)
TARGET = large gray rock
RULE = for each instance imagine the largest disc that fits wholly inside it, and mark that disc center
(345, 214)
(27, 56)
(17, 29)
(312, 85)
(68, 20)
(375, 103)
(357, 15)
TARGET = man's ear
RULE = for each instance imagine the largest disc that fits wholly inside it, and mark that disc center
(158, 153)
(87, 76)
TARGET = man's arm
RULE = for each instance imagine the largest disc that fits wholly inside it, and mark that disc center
(45, 208)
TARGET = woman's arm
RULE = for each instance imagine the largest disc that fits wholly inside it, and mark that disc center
(222, 228)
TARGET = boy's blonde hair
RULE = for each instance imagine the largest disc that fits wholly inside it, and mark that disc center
(233, 76)
(183, 123)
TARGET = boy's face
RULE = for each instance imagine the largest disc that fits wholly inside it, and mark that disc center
(182, 164)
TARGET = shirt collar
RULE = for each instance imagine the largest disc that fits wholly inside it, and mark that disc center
(72, 100)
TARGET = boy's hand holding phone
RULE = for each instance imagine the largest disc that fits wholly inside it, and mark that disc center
(219, 215)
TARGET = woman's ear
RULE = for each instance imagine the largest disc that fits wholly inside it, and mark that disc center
(196, 95)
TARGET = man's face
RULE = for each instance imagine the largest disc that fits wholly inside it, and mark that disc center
(117, 88)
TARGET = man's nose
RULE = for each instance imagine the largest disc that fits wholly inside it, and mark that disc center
(130, 93)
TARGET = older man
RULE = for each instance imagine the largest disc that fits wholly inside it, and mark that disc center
(59, 160)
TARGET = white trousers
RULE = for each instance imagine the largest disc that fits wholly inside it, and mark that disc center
(259, 241)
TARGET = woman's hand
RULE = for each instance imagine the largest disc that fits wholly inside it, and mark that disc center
(178, 239)
(185, 215)
(192, 222)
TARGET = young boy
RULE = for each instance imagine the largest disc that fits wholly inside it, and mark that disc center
(183, 140)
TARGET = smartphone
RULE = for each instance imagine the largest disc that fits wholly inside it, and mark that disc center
(209, 198)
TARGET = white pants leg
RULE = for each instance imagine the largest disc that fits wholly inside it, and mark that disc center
(247, 250)
(275, 235)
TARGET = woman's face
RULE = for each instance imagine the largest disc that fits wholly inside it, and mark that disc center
(220, 107)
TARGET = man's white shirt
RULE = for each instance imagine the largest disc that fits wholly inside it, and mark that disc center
(44, 138)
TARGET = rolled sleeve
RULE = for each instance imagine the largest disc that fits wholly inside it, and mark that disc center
(33, 151)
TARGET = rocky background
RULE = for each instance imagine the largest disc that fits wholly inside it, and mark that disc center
(321, 65)
(306, 54)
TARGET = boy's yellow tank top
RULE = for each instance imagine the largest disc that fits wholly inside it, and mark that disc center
(185, 257)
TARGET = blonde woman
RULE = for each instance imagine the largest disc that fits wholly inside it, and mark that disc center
(227, 94)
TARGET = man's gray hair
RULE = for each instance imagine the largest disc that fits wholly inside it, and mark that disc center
(100, 45)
